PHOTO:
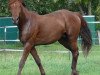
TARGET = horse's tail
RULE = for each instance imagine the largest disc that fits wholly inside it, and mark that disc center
(86, 36)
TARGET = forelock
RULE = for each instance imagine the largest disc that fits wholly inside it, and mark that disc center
(12, 1)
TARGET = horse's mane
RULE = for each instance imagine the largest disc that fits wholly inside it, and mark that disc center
(24, 4)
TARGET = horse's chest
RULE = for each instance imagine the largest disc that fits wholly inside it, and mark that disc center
(25, 33)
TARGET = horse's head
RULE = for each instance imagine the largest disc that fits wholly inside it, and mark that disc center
(15, 9)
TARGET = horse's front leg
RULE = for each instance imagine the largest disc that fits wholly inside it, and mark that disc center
(27, 49)
(37, 60)
(75, 54)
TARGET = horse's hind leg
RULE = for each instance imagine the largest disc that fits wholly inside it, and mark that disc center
(37, 60)
(75, 54)
(72, 46)
(64, 41)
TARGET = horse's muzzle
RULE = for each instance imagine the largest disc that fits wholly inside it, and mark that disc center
(15, 20)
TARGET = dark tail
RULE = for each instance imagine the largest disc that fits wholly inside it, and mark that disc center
(86, 36)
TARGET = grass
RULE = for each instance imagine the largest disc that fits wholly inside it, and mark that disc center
(53, 63)
(51, 47)
(13, 45)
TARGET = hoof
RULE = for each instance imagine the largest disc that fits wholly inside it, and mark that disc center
(75, 73)
(43, 73)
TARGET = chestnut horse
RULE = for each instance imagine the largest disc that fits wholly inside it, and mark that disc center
(63, 26)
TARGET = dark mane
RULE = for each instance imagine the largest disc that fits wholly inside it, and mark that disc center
(22, 1)
(23, 4)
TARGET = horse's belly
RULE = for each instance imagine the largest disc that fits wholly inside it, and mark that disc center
(50, 32)
(48, 38)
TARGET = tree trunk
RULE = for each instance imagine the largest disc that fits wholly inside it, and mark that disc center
(81, 10)
(89, 8)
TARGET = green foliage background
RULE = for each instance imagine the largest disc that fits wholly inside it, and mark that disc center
(47, 6)
(40, 6)
(4, 8)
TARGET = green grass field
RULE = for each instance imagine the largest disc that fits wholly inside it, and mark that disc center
(53, 63)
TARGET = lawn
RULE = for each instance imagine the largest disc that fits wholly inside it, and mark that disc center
(53, 63)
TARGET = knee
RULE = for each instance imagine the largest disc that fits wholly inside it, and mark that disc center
(76, 53)
(38, 62)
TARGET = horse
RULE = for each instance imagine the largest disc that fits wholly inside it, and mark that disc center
(63, 26)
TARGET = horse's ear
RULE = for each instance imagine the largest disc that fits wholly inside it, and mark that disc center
(23, 3)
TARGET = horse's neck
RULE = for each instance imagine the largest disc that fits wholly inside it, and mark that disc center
(24, 14)
(23, 17)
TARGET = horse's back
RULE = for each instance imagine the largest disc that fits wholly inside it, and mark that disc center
(65, 15)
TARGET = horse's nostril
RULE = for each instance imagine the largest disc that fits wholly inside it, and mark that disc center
(13, 19)
(17, 19)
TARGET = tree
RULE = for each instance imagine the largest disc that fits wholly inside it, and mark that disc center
(47, 6)
(3, 8)
(84, 6)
